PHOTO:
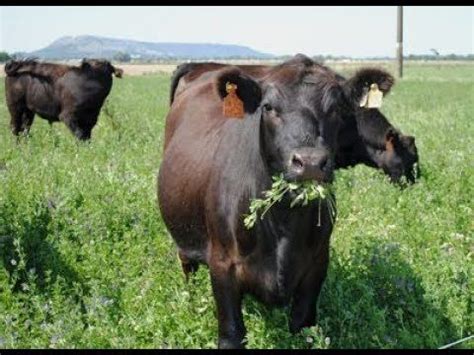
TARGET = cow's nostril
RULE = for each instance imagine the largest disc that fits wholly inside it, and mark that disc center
(297, 161)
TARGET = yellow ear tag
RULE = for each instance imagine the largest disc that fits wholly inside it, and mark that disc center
(374, 99)
(233, 106)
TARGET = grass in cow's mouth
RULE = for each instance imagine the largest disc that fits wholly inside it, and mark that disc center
(305, 191)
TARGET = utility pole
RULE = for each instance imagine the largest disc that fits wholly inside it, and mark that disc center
(400, 40)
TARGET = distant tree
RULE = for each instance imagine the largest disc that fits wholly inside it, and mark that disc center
(435, 57)
(122, 57)
(4, 57)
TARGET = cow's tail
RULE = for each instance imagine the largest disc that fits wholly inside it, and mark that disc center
(15, 67)
(179, 72)
(11, 67)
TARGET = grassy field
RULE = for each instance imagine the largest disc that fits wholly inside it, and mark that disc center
(86, 261)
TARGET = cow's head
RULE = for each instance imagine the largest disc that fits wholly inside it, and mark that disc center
(100, 66)
(396, 154)
(387, 148)
(300, 106)
(400, 157)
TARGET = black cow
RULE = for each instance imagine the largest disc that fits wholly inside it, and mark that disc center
(58, 92)
(214, 165)
(367, 137)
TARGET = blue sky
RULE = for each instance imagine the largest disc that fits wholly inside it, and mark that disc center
(351, 31)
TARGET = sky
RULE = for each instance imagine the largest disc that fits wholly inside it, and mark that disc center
(341, 30)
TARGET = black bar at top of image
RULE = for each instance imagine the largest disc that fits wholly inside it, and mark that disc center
(226, 3)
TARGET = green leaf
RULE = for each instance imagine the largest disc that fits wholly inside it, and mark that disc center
(306, 191)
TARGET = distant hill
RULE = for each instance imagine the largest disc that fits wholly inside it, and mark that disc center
(103, 47)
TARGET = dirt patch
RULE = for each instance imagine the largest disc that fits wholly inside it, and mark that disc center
(146, 69)
(344, 65)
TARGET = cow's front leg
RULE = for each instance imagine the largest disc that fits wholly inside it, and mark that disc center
(305, 297)
(228, 300)
(73, 122)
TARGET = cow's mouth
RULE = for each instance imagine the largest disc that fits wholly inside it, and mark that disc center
(318, 176)
(322, 180)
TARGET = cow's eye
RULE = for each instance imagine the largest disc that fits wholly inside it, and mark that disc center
(267, 107)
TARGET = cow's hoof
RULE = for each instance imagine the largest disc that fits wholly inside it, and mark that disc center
(230, 344)
(295, 327)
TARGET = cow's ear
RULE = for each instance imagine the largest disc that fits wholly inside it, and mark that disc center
(357, 86)
(247, 89)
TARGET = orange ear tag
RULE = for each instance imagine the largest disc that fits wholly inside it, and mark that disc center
(233, 106)
(389, 144)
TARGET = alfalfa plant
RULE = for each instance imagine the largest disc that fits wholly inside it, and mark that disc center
(305, 191)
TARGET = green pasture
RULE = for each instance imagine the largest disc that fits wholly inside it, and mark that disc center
(86, 261)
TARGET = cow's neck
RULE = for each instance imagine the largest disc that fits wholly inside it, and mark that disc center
(284, 232)
(355, 153)
(371, 132)
(289, 230)
(375, 156)
(366, 154)
(353, 149)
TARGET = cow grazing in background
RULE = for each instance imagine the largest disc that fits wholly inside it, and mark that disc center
(214, 165)
(58, 92)
(366, 136)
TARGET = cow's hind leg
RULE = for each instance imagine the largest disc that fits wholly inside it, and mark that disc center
(189, 266)
(305, 297)
(21, 121)
(27, 120)
(16, 122)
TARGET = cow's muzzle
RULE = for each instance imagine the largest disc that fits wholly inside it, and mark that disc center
(310, 164)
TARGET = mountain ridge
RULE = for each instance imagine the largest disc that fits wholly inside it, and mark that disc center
(76, 47)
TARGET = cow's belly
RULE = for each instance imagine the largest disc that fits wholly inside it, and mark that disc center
(182, 216)
(44, 104)
(182, 183)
